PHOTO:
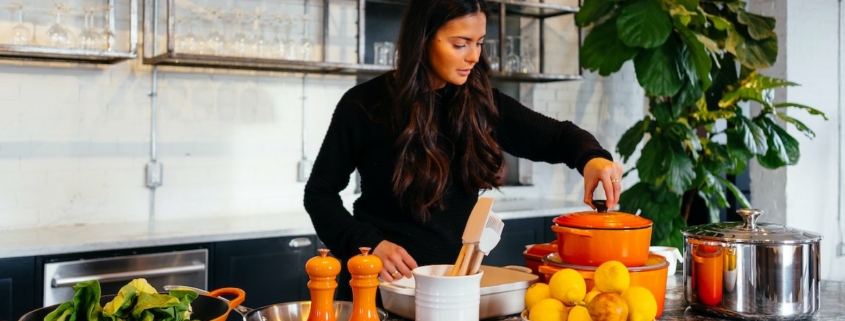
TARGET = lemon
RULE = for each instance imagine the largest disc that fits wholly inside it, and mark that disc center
(535, 293)
(547, 310)
(568, 286)
(579, 313)
(612, 277)
(641, 303)
(590, 295)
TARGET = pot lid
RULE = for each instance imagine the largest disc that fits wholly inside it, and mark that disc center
(750, 231)
(602, 219)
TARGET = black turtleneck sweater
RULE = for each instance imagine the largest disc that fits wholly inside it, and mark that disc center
(355, 140)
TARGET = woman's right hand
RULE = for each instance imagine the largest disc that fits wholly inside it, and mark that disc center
(396, 262)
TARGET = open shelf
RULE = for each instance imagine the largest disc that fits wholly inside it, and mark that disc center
(126, 46)
(316, 67)
(516, 7)
(64, 54)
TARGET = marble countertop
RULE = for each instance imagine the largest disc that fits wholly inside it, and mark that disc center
(832, 305)
(99, 237)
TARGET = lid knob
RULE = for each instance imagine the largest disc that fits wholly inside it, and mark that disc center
(601, 205)
(749, 216)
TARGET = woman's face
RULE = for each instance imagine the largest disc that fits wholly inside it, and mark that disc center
(456, 48)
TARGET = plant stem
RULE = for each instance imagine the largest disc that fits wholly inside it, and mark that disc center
(688, 198)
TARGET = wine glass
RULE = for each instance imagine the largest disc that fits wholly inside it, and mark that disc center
(58, 34)
(280, 40)
(20, 33)
(108, 37)
(306, 46)
(216, 42)
(89, 37)
(240, 42)
(512, 59)
(526, 61)
(259, 43)
(492, 48)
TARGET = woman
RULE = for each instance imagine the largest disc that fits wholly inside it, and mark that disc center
(426, 138)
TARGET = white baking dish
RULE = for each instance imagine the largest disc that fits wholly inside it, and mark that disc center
(502, 293)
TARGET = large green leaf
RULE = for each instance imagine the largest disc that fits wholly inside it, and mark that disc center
(759, 27)
(743, 201)
(719, 23)
(689, 94)
(631, 138)
(662, 112)
(690, 5)
(809, 109)
(698, 57)
(664, 162)
(783, 148)
(643, 23)
(753, 137)
(798, 125)
(658, 69)
(754, 88)
(652, 203)
(758, 54)
(603, 51)
(736, 145)
(591, 11)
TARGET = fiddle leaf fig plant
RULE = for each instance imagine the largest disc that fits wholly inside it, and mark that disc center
(698, 62)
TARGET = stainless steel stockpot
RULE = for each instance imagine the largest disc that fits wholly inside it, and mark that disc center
(750, 270)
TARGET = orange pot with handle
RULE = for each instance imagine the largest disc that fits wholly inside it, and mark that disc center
(592, 238)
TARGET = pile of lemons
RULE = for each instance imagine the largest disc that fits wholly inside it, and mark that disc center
(565, 298)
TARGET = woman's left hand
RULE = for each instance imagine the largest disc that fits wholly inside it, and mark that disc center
(607, 172)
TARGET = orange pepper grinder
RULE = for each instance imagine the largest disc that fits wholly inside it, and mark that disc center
(364, 269)
(323, 271)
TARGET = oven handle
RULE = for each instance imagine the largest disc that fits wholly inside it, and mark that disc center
(124, 276)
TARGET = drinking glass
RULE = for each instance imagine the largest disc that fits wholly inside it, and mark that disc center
(216, 42)
(305, 46)
(108, 36)
(491, 46)
(259, 43)
(20, 33)
(526, 62)
(383, 53)
(58, 34)
(89, 38)
(512, 59)
(240, 41)
(281, 40)
(290, 44)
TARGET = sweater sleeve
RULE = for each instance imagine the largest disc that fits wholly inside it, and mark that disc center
(528, 134)
(338, 156)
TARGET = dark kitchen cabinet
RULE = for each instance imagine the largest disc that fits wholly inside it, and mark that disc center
(17, 287)
(517, 234)
(269, 270)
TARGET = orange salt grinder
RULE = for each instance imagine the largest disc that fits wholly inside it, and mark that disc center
(364, 269)
(323, 271)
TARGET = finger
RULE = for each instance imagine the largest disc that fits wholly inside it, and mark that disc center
(404, 263)
(589, 187)
(607, 185)
(385, 276)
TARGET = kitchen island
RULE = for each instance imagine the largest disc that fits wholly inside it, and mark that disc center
(675, 307)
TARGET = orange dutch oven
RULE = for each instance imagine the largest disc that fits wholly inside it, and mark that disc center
(592, 238)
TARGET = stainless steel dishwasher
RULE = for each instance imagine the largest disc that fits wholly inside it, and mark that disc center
(179, 267)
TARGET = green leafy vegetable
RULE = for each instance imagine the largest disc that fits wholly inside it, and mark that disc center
(136, 301)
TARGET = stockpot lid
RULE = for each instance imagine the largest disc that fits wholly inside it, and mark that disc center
(749, 231)
(602, 219)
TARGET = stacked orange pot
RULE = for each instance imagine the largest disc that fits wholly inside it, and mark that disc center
(585, 240)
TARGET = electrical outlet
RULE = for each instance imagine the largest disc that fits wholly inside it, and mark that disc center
(155, 174)
(840, 249)
(304, 168)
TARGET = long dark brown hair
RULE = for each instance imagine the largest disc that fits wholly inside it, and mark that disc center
(421, 176)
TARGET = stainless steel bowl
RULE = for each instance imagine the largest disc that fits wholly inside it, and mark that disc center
(752, 270)
(298, 311)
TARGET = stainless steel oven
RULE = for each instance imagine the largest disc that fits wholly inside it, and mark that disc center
(179, 267)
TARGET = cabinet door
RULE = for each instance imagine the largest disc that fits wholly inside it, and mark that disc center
(269, 270)
(17, 287)
(517, 234)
